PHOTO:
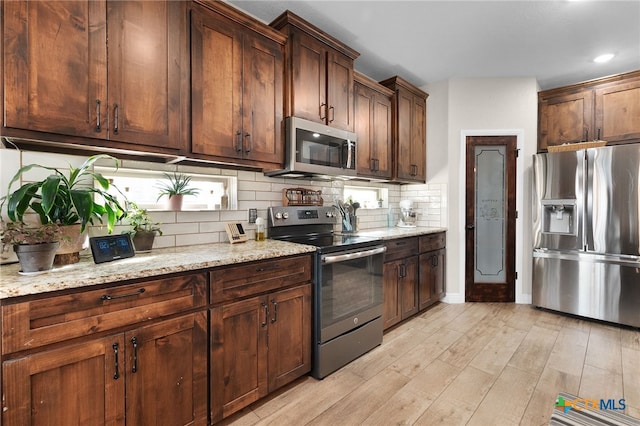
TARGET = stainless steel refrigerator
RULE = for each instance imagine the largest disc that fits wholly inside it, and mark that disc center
(586, 230)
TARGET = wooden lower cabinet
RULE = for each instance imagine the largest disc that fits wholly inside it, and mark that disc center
(161, 368)
(400, 293)
(432, 273)
(258, 345)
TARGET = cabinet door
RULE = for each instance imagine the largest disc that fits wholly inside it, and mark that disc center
(216, 85)
(166, 372)
(238, 355)
(144, 71)
(339, 90)
(566, 119)
(55, 67)
(418, 139)
(409, 287)
(391, 313)
(289, 335)
(432, 276)
(309, 67)
(372, 112)
(262, 100)
(74, 385)
(404, 133)
(618, 112)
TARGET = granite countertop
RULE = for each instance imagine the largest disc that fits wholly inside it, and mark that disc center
(166, 261)
(142, 265)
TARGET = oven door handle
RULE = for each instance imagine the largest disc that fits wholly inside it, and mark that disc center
(355, 255)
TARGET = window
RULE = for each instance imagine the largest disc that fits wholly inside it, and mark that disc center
(368, 197)
(142, 187)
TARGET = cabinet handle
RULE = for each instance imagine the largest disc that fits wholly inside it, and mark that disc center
(586, 134)
(115, 119)
(98, 127)
(373, 165)
(598, 134)
(377, 165)
(115, 352)
(134, 342)
(238, 141)
(120, 296)
(403, 270)
(434, 260)
(266, 314)
(248, 138)
(323, 107)
(275, 311)
(333, 114)
(273, 267)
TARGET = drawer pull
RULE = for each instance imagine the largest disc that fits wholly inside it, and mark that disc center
(115, 352)
(120, 296)
(275, 311)
(134, 342)
(266, 314)
(270, 268)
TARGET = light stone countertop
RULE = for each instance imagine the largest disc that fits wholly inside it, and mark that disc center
(142, 265)
(166, 261)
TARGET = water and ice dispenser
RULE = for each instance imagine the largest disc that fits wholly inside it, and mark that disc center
(559, 217)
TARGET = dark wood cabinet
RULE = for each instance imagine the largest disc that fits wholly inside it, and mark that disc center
(106, 355)
(236, 90)
(260, 330)
(400, 280)
(63, 75)
(565, 119)
(431, 287)
(617, 111)
(409, 130)
(604, 109)
(373, 123)
(319, 74)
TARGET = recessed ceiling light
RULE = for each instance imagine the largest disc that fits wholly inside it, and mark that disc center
(604, 58)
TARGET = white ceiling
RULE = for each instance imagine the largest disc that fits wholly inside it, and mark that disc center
(426, 41)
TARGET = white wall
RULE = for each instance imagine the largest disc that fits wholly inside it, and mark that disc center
(481, 105)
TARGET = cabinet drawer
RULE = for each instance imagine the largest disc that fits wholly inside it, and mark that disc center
(36, 323)
(229, 283)
(401, 248)
(432, 242)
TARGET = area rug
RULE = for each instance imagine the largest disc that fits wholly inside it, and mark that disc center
(571, 410)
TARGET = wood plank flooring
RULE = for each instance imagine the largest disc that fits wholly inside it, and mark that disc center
(466, 364)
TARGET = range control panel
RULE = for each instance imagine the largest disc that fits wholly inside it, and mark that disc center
(301, 215)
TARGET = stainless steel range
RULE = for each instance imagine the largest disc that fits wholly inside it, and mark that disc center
(347, 284)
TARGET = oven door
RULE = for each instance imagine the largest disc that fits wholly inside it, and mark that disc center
(349, 290)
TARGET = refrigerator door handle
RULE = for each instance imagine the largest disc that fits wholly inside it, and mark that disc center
(588, 185)
(629, 261)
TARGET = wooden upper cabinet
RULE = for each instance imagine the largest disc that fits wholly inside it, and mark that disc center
(566, 118)
(237, 90)
(55, 67)
(319, 74)
(604, 109)
(144, 71)
(372, 112)
(409, 130)
(61, 78)
(617, 111)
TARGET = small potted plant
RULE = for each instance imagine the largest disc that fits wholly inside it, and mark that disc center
(144, 228)
(175, 188)
(35, 245)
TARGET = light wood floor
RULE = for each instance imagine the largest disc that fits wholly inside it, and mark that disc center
(475, 363)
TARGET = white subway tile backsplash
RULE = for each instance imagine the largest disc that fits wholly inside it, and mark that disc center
(255, 190)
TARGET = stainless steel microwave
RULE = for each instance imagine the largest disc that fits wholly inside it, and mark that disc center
(314, 149)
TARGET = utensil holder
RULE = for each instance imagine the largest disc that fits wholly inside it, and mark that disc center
(349, 223)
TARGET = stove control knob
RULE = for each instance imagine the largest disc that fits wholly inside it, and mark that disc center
(330, 214)
(285, 215)
(278, 215)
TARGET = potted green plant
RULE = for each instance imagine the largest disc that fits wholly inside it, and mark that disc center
(35, 245)
(175, 188)
(144, 228)
(70, 201)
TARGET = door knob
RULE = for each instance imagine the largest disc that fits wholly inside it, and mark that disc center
(471, 227)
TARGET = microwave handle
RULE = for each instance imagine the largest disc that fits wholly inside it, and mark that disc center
(350, 149)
